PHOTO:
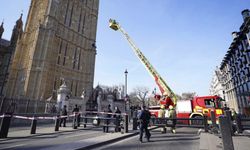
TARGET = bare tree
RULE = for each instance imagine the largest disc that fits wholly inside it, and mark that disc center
(139, 96)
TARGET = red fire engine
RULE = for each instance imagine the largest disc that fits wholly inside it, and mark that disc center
(195, 108)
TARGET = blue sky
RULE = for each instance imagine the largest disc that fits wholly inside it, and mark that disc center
(183, 40)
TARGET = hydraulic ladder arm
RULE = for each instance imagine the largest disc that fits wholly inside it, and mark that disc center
(164, 88)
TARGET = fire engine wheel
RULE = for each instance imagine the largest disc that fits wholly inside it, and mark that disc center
(197, 122)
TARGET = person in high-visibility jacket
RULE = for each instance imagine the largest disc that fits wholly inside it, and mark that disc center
(172, 115)
(161, 114)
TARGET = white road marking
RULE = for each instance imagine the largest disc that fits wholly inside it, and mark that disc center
(78, 135)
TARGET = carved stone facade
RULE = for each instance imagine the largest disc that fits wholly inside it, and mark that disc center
(58, 44)
(103, 96)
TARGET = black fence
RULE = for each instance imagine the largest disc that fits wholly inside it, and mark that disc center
(25, 105)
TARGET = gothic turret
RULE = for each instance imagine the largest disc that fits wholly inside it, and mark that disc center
(1, 30)
(17, 31)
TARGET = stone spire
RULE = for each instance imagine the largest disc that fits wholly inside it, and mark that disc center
(1, 30)
(17, 31)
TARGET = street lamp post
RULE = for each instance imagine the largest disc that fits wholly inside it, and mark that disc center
(126, 86)
(126, 76)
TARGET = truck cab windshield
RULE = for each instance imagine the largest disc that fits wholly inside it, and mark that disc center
(210, 103)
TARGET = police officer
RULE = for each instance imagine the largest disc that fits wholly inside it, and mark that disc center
(144, 118)
(172, 115)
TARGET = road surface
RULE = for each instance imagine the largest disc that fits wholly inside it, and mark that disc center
(184, 139)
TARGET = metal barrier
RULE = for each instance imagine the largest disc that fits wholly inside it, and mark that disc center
(120, 122)
(169, 122)
(98, 119)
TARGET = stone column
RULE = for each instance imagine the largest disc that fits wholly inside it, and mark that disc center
(99, 103)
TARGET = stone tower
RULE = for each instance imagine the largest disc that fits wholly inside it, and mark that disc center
(58, 44)
(6, 52)
(1, 30)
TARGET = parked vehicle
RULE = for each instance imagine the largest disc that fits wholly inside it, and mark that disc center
(195, 108)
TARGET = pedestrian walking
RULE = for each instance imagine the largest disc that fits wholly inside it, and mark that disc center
(64, 116)
(144, 118)
(107, 116)
(76, 112)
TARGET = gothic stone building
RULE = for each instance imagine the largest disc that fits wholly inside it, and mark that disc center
(58, 43)
(7, 49)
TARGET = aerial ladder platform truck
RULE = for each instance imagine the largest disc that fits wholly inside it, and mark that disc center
(194, 108)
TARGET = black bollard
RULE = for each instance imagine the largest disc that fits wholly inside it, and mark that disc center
(33, 126)
(214, 128)
(135, 123)
(226, 136)
(57, 122)
(229, 119)
(213, 118)
(85, 121)
(125, 123)
(78, 120)
(74, 124)
(205, 123)
(5, 125)
(118, 124)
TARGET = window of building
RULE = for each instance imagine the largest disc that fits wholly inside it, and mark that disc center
(66, 13)
(83, 23)
(71, 86)
(80, 21)
(76, 86)
(59, 52)
(79, 60)
(248, 37)
(71, 13)
(74, 58)
(65, 55)
(54, 86)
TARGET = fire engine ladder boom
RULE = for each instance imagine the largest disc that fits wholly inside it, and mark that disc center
(158, 79)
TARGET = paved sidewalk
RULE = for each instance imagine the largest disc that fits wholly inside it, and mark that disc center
(18, 132)
(90, 143)
(210, 141)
